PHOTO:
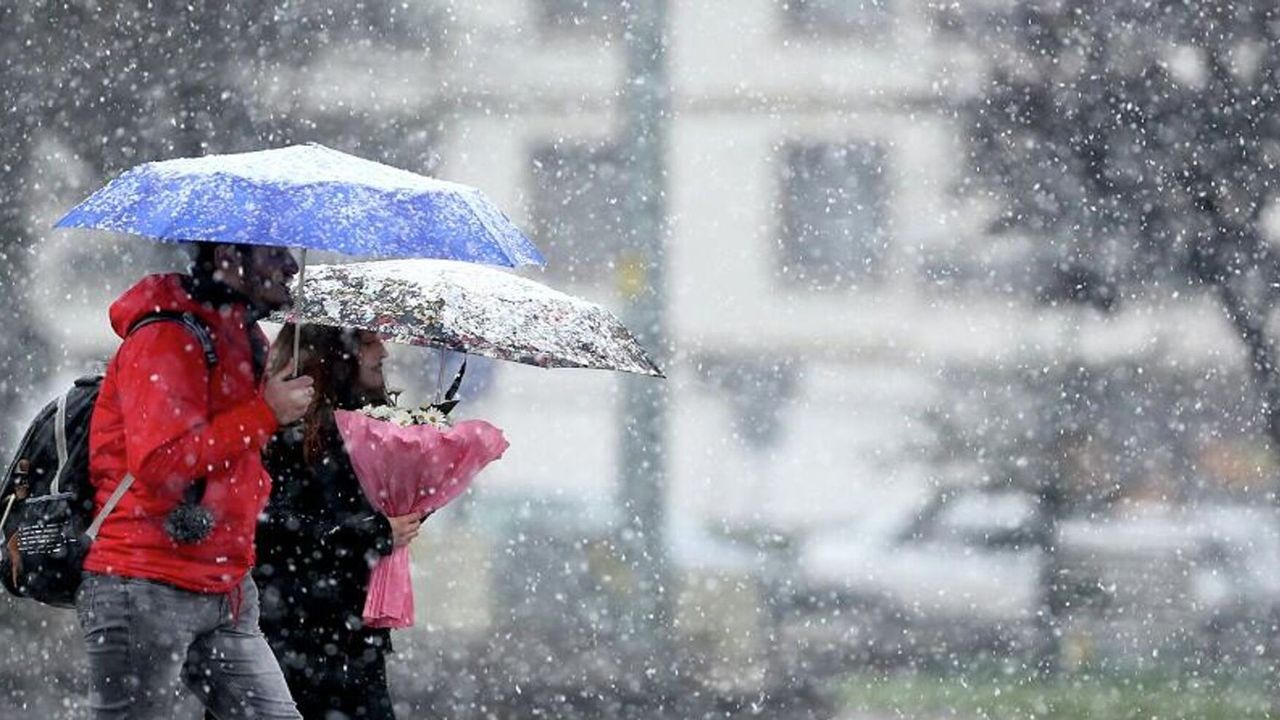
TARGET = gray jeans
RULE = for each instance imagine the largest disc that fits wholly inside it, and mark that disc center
(147, 639)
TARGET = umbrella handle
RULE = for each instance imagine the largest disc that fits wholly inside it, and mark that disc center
(297, 326)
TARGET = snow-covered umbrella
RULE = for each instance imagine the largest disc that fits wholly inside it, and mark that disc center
(306, 196)
(472, 309)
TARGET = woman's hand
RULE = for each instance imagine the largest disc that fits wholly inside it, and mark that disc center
(404, 528)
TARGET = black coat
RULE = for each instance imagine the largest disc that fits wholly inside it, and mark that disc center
(316, 544)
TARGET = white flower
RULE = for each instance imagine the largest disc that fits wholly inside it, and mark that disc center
(433, 416)
(406, 417)
(377, 412)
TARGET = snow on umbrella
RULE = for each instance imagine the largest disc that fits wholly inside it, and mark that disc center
(306, 196)
(471, 309)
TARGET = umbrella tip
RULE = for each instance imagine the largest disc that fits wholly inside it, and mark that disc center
(66, 220)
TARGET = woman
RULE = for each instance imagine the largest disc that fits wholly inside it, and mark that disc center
(319, 536)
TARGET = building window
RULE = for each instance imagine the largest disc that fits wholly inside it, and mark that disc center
(834, 214)
(590, 16)
(578, 213)
(837, 17)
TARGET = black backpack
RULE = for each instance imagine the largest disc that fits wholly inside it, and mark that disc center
(46, 499)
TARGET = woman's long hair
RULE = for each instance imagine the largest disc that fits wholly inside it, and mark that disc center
(331, 357)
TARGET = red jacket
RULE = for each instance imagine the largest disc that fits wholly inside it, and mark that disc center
(162, 417)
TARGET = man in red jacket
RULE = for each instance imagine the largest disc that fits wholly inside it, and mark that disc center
(158, 611)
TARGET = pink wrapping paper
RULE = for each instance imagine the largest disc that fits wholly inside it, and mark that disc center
(415, 469)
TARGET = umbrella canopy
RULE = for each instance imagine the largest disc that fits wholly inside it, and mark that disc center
(472, 309)
(306, 196)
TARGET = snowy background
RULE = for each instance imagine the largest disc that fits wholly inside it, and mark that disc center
(966, 327)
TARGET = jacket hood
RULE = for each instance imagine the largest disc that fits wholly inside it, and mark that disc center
(173, 292)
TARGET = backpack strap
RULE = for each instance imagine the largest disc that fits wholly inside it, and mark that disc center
(187, 320)
(198, 329)
(8, 505)
(60, 440)
(108, 506)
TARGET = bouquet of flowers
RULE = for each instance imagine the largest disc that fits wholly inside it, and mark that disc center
(410, 460)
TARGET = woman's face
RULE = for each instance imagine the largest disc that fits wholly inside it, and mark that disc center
(369, 355)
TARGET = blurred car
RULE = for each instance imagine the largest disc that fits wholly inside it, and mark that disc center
(960, 573)
(948, 574)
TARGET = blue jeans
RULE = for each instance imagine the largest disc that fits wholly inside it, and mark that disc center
(147, 639)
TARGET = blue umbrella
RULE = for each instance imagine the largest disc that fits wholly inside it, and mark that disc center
(306, 196)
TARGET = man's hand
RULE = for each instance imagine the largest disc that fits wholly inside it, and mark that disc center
(404, 528)
(288, 398)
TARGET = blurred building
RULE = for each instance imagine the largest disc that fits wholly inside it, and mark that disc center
(824, 271)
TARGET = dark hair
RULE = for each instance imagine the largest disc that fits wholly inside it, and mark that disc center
(203, 257)
(331, 357)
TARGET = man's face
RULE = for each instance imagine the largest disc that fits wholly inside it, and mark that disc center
(267, 275)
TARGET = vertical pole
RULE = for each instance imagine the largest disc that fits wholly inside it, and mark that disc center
(297, 305)
(642, 484)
